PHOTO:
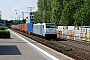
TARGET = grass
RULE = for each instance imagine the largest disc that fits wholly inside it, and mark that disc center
(52, 41)
(65, 48)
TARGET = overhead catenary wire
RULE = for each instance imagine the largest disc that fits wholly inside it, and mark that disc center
(5, 4)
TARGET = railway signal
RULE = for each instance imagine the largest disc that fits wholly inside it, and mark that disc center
(31, 16)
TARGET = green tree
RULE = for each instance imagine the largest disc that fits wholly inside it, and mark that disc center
(82, 14)
(63, 12)
(40, 13)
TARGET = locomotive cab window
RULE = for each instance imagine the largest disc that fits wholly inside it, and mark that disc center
(50, 25)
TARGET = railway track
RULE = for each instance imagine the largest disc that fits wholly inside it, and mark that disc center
(76, 52)
(76, 45)
(87, 43)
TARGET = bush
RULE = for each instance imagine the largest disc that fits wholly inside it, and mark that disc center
(2, 28)
(4, 34)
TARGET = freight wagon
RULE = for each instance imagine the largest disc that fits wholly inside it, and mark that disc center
(23, 27)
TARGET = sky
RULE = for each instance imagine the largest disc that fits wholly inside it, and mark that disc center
(8, 7)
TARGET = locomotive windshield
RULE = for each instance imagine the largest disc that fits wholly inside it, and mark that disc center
(50, 25)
